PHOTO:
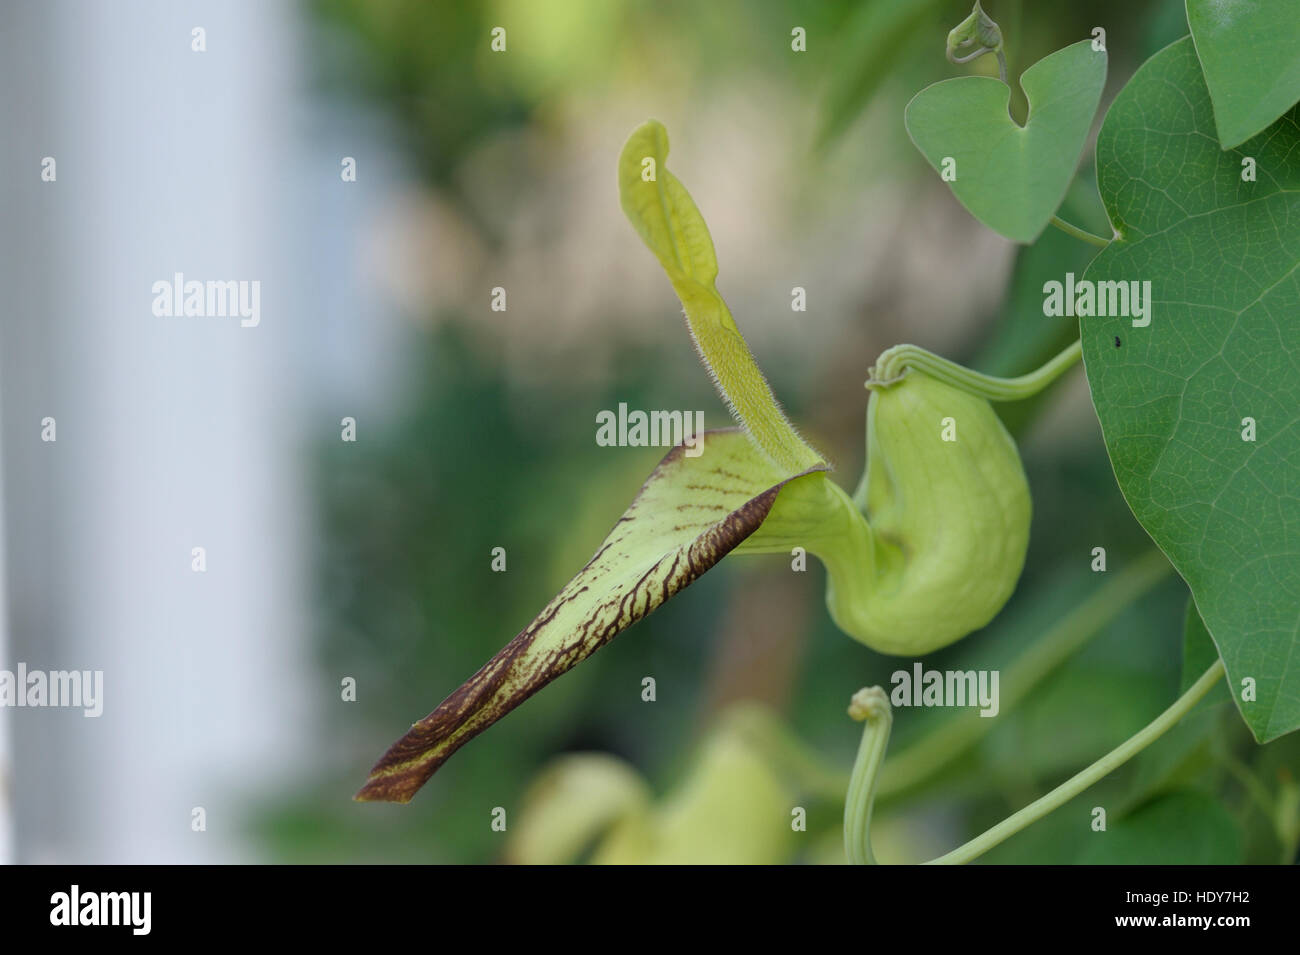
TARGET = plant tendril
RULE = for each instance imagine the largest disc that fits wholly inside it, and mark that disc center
(894, 362)
(871, 706)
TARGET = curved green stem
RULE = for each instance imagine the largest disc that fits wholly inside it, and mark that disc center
(872, 706)
(894, 362)
(1081, 781)
(1100, 241)
(925, 758)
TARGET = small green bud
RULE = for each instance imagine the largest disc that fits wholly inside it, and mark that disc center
(575, 800)
(973, 37)
(732, 808)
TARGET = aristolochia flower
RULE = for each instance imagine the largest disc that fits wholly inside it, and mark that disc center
(928, 549)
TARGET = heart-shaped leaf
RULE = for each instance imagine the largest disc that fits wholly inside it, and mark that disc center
(691, 512)
(1250, 52)
(1199, 407)
(1011, 177)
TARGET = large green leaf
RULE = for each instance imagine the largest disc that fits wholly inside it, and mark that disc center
(691, 512)
(1250, 51)
(1222, 345)
(1011, 177)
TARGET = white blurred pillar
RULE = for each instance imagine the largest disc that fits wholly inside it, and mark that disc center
(6, 767)
(173, 433)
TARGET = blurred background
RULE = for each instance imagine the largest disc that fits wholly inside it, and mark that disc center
(369, 560)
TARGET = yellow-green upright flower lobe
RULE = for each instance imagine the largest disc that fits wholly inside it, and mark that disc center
(670, 224)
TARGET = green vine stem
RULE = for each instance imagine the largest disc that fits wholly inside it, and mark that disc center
(929, 755)
(1092, 239)
(894, 362)
(1081, 781)
(869, 705)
